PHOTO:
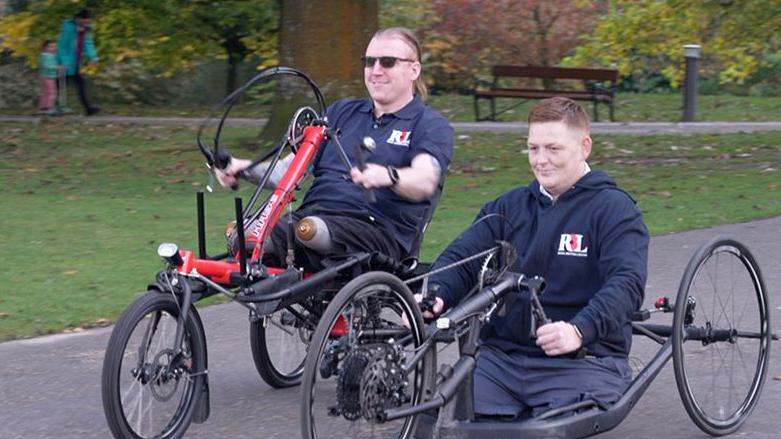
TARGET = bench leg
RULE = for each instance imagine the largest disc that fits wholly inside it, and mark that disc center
(493, 109)
(477, 110)
(612, 119)
(596, 111)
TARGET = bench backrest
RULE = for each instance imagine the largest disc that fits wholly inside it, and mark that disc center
(555, 73)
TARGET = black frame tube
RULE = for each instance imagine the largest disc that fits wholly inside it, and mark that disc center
(240, 232)
(201, 226)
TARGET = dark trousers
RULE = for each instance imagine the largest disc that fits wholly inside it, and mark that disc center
(351, 232)
(511, 385)
(81, 87)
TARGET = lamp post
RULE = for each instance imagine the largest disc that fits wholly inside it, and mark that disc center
(692, 54)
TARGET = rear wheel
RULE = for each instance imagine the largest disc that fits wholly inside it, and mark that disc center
(721, 336)
(279, 343)
(354, 370)
(149, 386)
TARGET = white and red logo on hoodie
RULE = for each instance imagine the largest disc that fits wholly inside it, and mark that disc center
(572, 244)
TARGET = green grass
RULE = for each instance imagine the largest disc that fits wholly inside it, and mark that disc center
(630, 107)
(84, 206)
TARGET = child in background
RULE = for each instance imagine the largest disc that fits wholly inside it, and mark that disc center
(48, 71)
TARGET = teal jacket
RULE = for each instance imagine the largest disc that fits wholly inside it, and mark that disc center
(48, 65)
(66, 47)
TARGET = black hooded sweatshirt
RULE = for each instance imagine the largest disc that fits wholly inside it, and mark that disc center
(590, 245)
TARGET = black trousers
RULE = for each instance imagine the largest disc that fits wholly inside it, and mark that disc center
(81, 87)
(350, 232)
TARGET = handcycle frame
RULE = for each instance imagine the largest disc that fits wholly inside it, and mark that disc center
(447, 411)
(244, 278)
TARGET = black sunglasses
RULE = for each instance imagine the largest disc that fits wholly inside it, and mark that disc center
(387, 62)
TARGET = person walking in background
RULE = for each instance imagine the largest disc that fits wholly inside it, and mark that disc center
(76, 43)
(48, 71)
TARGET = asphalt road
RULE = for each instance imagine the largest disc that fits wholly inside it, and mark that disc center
(50, 386)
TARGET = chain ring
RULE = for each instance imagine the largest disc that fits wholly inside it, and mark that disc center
(383, 384)
(349, 381)
(303, 117)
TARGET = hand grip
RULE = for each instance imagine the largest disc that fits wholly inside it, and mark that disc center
(368, 145)
(222, 159)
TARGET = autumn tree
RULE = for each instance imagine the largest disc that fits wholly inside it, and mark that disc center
(163, 37)
(464, 38)
(326, 41)
(638, 36)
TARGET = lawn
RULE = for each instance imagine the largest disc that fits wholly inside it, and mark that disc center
(85, 206)
(630, 107)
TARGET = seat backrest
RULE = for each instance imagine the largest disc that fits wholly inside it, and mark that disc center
(418, 242)
(555, 73)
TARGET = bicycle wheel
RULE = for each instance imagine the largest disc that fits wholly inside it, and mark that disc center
(148, 391)
(721, 336)
(279, 343)
(354, 367)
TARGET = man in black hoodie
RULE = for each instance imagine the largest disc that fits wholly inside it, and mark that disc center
(586, 237)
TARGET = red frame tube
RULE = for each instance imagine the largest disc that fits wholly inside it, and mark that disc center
(220, 271)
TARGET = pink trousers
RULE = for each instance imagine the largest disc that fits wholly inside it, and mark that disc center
(48, 93)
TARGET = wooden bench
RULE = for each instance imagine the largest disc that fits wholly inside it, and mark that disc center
(598, 86)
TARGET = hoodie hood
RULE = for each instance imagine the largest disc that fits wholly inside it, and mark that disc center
(592, 181)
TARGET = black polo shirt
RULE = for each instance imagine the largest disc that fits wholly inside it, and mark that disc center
(413, 130)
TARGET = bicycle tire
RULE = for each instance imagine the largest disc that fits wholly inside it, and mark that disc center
(138, 412)
(744, 326)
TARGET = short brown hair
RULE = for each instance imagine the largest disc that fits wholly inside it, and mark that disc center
(560, 109)
(411, 40)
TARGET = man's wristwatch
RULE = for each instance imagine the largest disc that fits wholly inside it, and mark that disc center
(393, 173)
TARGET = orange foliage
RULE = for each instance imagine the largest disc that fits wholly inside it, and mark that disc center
(464, 38)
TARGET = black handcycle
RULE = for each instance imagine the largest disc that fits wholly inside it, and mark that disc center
(372, 365)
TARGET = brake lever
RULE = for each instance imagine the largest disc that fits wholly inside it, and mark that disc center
(429, 297)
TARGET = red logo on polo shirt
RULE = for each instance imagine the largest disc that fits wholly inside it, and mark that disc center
(572, 244)
(400, 138)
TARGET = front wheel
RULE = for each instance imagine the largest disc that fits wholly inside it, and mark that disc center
(357, 363)
(149, 386)
(721, 336)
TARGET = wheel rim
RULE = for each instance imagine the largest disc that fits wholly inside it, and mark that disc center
(287, 341)
(325, 423)
(152, 398)
(722, 355)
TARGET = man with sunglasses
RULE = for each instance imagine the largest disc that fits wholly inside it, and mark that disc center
(576, 228)
(406, 170)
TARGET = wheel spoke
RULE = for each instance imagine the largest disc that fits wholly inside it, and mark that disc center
(150, 397)
(728, 337)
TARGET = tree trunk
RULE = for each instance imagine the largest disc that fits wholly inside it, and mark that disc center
(325, 40)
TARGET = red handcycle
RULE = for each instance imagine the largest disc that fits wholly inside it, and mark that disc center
(155, 372)
(382, 375)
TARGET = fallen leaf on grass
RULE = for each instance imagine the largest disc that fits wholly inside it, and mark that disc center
(72, 198)
(3, 314)
(70, 272)
(30, 169)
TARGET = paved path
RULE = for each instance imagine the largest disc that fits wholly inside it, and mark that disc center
(50, 386)
(632, 128)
